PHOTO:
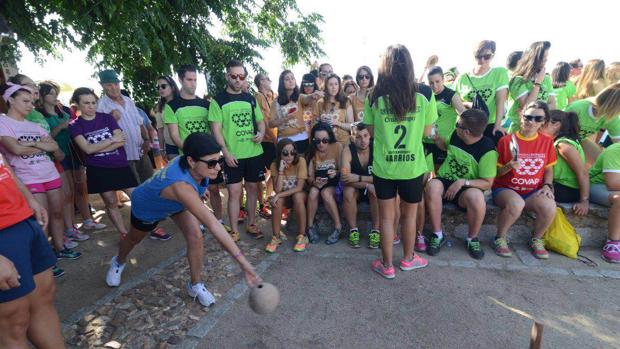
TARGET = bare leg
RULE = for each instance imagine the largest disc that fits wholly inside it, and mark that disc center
(234, 193)
(313, 205)
(14, 321)
(44, 331)
(251, 190)
(511, 205)
(329, 200)
(387, 214)
(299, 206)
(350, 206)
(55, 199)
(473, 200)
(190, 227)
(68, 209)
(276, 217)
(434, 202)
(128, 243)
(81, 194)
(111, 204)
(614, 216)
(407, 231)
(215, 200)
(544, 207)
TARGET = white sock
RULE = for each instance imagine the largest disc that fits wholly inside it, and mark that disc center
(439, 234)
(469, 239)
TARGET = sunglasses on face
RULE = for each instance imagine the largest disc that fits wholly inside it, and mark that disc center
(319, 141)
(162, 86)
(308, 84)
(363, 77)
(459, 126)
(536, 118)
(291, 153)
(237, 76)
(212, 163)
(485, 57)
(325, 73)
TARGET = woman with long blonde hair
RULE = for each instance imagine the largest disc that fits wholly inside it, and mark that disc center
(592, 79)
(612, 73)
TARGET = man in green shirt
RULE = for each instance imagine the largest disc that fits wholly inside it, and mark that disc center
(469, 170)
(605, 191)
(237, 124)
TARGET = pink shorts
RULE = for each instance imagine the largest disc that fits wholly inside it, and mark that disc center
(36, 188)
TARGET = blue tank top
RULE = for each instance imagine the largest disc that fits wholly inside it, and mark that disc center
(146, 203)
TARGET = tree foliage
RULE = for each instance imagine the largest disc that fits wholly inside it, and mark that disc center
(145, 38)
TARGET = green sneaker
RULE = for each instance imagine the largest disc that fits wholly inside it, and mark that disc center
(474, 249)
(354, 238)
(374, 239)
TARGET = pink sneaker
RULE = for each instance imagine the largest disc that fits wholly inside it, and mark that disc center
(416, 262)
(396, 239)
(388, 273)
(611, 251)
(420, 243)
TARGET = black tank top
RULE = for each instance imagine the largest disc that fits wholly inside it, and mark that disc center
(356, 166)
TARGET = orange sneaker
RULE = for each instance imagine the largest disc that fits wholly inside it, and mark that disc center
(254, 231)
(235, 236)
(300, 244)
(272, 246)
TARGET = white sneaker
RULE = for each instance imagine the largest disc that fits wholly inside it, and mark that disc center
(199, 290)
(75, 235)
(113, 278)
(89, 224)
(70, 244)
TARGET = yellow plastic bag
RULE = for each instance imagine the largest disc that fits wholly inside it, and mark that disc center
(561, 237)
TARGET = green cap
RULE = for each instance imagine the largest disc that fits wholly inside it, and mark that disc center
(108, 75)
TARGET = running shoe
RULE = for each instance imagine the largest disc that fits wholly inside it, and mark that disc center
(420, 242)
(226, 227)
(57, 272)
(113, 277)
(200, 291)
(242, 215)
(234, 235)
(475, 249)
(91, 209)
(396, 239)
(501, 247)
(89, 224)
(354, 238)
(264, 211)
(253, 231)
(374, 239)
(75, 235)
(301, 243)
(159, 234)
(538, 248)
(416, 262)
(69, 243)
(272, 246)
(313, 234)
(611, 251)
(387, 272)
(435, 244)
(333, 237)
(68, 253)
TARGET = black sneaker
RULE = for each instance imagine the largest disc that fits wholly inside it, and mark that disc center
(313, 235)
(68, 254)
(57, 271)
(475, 249)
(435, 244)
(333, 237)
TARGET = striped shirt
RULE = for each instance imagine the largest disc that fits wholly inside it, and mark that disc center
(129, 122)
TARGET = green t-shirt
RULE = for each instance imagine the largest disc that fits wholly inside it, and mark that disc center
(608, 161)
(562, 172)
(519, 88)
(63, 138)
(469, 161)
(487, 85)
(446, 115)
(589, 124)
(562, 94)
(191, 115)
(398, 150)
(38, 119)
(234, 112)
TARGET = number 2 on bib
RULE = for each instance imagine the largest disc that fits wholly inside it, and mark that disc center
(402, 130)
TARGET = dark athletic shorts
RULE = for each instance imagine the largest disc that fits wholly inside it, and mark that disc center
(251, 169)
(26, 246)
(409, 190)
(446, 184)
(269, 153)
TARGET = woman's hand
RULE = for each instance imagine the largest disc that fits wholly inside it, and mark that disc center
(251, 277)
(283, 166)
(540, 76)
(320, 182)
(331, 173)
(274, 199)
(9, 277)
(581, 208)
(545, 190)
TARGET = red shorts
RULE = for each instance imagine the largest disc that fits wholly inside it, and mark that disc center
(36, 188)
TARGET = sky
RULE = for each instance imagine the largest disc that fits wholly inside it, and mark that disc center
(356, 33)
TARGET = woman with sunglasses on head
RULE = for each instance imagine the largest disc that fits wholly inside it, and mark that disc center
(168, 90)
(525, 179)
(366, 81)
(491, 84)
(176, 191)
(529, 83)
(323, 176)
(592, 79)
(101, 139)
(564, 89)
(288, 112)
(400, 112)
(309, 94)
(349, 88)
(289, 176)
(595, 115)
(335, 109)
(570, 176)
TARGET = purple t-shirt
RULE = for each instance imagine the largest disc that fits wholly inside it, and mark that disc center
(97, 130)
(30, 169)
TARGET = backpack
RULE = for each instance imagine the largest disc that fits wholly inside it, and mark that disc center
(478, 102)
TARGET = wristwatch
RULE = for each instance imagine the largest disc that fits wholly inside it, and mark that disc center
(467, 182)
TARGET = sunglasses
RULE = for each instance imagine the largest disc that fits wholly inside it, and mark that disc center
(485, 57)
(363, 77)
(319, 141)
(325, 73)
(286, 153)
(308, 84)
(162, 86)
(536, 118)
(461, 126)
(212, 163)
(237, 76)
